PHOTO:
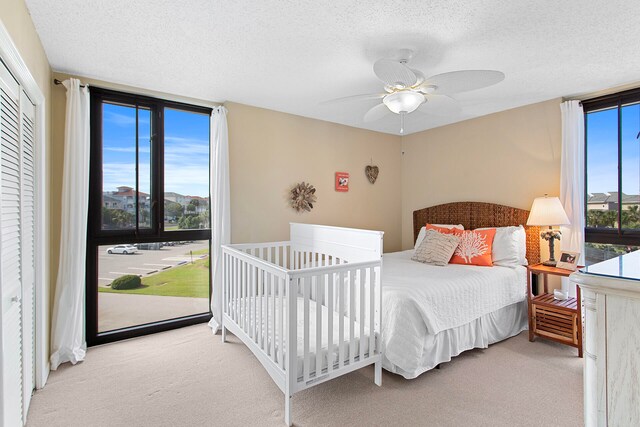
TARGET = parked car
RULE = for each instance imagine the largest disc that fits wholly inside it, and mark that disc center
(149, 246)
(122, 249)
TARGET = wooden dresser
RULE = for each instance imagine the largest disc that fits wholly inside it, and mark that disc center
(611, 307)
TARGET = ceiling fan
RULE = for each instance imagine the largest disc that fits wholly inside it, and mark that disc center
(407, 90)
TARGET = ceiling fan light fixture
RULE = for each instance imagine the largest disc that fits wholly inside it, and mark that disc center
(403, 101)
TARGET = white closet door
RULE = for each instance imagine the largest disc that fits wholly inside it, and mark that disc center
(27, 225)
(10, 254)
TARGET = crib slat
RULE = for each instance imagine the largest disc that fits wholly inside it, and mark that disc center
(285, 259)
(331, 282)
(291, 355)
(277, 249)
(361, 284)
(319, 291)
(236, 303)
(378, 309)
(225, 282)
(352, 315)
(252, 303)
(272, 287)
(339, 289)
(245, 286)
(372, 312)
(229, 283)
(265, 313)
(281, 330)
(240, 283)
(260, 339)
(306, 292)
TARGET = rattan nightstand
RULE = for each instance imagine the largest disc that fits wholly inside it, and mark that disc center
(552, 319)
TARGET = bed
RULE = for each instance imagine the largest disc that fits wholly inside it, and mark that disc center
(431, 314)
(309, 308)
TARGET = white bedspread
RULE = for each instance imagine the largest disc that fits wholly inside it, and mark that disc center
(420, 300)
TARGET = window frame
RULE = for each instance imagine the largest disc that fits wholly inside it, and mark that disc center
(619, 235)
(97, 236)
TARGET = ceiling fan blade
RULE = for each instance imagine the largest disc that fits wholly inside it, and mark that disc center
(420, 78)
(394, 73)
(440, 105)
(376, 113)
(363, 97)
(463, 81)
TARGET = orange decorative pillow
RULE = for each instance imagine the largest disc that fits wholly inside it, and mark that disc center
(443, 230)
(474, 247)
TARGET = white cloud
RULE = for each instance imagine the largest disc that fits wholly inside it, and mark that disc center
(190, 180)
(119, 119)
(127, 149)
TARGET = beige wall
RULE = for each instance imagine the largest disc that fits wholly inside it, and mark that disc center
(16, 19)
(271, 151)
(509, 157)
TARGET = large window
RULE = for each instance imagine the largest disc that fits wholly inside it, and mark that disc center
(612, 175)
(149, 236)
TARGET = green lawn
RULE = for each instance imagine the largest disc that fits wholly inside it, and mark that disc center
(188, 280)
(204, 251)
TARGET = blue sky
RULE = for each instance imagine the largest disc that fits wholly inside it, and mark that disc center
(186, 150)
(602, 150)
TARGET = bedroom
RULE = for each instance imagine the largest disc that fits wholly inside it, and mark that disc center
(272, 67)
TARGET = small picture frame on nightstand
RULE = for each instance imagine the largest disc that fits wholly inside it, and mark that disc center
(568, 260)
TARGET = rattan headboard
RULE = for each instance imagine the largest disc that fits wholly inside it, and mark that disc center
(476, 215)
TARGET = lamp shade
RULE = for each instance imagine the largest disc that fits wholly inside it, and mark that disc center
(547, 211)
(405, 101)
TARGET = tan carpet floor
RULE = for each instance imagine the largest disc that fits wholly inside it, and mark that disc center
(187, 377)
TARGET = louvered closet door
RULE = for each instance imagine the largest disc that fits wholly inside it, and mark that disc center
(27, 228)
(10, 255)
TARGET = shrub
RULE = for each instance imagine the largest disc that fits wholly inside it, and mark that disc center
(129, 281)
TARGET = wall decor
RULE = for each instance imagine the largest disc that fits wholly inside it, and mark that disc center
(372, 173)
(342, 181)
(302, 197)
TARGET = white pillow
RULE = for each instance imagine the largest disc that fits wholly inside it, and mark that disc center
(509, 246)
(423, 230)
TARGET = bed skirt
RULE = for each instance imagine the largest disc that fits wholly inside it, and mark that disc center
(480, 333)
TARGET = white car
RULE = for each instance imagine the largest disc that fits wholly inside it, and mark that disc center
(122, 249)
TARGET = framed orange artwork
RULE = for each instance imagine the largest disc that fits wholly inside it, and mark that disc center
(342, 181)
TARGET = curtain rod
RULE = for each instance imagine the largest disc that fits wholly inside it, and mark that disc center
(59, 82)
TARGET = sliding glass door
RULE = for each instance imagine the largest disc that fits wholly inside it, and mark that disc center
(149, 232)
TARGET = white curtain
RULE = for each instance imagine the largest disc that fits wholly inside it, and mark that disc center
(68, 343)
(220, 209)
(572, 180)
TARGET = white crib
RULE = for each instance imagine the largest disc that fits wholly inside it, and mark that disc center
(320, 292)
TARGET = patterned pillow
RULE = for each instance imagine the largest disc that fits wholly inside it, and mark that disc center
(474, 247)
(436, 248)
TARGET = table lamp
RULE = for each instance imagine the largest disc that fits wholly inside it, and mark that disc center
(548, 211)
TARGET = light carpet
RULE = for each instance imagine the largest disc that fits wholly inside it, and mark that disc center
(187, 377)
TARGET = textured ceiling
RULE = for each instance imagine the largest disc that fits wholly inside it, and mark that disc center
(290, 55)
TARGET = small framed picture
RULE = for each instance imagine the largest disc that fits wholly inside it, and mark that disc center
(342, 181)
(568, 260)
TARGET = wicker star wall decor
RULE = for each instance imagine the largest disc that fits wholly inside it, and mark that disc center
(302, 197)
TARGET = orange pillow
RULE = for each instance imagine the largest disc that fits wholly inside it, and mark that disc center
(474, 247)
(443, 230)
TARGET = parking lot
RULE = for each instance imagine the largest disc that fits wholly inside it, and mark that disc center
(120, 310)
(146, 262)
